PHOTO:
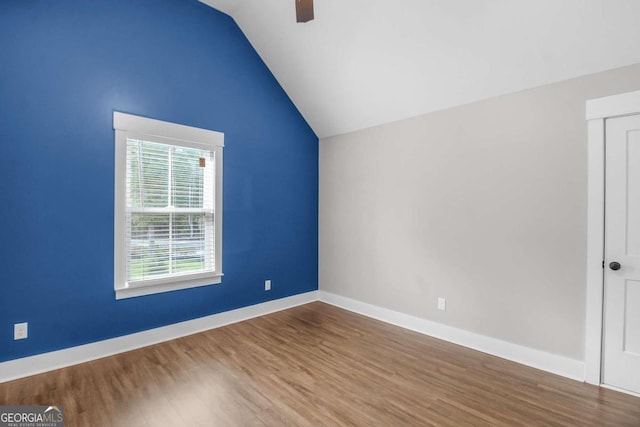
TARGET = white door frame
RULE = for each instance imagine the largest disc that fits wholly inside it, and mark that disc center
(597, 112)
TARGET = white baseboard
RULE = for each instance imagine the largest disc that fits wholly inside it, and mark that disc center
(549, 362)
(620, 390)
(32, 365)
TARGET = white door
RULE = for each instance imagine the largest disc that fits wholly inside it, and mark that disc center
(621, 346)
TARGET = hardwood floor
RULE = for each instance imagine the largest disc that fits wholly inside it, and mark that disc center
(316, 365)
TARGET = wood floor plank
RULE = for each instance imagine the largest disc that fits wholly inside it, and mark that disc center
(316, 365)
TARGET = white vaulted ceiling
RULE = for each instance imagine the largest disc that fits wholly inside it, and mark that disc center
(362, 63)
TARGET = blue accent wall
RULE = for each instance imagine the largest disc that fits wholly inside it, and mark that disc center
(65, 66)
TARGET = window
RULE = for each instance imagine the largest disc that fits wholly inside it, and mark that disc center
(168, 206)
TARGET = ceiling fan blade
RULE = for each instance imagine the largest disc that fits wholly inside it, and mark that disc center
(304, 10)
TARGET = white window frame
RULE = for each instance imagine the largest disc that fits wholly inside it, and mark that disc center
(130, 126)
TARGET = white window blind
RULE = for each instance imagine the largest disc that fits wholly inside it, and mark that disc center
(170, 210)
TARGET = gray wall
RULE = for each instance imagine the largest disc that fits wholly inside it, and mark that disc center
(483, 204)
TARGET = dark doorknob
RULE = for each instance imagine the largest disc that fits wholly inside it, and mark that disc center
(614, 265)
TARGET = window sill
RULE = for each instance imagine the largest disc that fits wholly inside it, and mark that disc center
(130, 292)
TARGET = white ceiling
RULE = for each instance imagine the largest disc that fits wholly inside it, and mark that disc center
(362, 63)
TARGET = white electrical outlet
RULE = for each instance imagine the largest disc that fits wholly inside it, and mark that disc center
(20, 331)
(442, 304)
(267, 285)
